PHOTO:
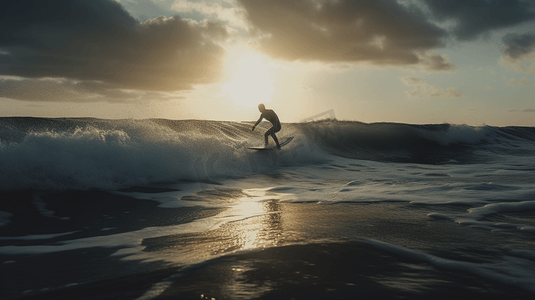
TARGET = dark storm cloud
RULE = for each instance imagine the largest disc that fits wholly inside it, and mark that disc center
(382, 32)
(68, 90)
(520, 52)
(519, 45)
(98, 40)
(376, 32)
(476, 17)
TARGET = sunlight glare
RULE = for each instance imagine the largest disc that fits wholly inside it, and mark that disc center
(250, 83)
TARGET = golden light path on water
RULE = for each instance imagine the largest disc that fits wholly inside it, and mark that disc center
(249, 219)
(257, 223)
(254, 220)
(265, 227)
(244, 219)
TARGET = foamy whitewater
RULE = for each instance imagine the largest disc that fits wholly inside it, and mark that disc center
(167, 209)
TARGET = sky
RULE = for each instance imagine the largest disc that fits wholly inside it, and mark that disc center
(407, 61)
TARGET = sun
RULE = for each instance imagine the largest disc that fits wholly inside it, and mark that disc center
(250, 82)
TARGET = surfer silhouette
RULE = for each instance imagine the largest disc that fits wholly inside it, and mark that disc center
(272, 117)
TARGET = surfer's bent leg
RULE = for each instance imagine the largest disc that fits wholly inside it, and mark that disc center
(271, 132)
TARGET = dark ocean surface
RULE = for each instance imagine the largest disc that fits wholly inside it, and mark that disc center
(182, 209)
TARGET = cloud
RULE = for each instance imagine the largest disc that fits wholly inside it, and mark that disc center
(476, 17)
(520, 51)
(423, 89)
(526, 110)
(144, 9)
(69, 90)
(99, 41)
(521, 82)
(381, 33)
(223, 10)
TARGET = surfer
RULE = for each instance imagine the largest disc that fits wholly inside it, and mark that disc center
(272, 117)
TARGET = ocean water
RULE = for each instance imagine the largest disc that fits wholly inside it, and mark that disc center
(182, 209)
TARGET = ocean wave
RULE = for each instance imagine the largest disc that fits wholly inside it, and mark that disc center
(86, 153)
(433, 144)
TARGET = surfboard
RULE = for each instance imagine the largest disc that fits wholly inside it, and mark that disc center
(273, 148)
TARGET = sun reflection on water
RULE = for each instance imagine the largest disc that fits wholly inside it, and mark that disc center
(253, 221)
(260, 224)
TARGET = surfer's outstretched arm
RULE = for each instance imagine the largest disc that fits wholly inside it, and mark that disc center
(257, 122)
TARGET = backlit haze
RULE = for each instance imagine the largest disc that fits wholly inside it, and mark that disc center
(421, 61)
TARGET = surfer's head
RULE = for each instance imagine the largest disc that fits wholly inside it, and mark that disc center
(261, 107)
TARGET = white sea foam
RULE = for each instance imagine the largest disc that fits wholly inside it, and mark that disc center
(474, 215)
(479, 212)
(458, 134)
(515, 271)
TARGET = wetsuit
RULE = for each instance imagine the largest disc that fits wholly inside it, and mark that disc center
(272, 117)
